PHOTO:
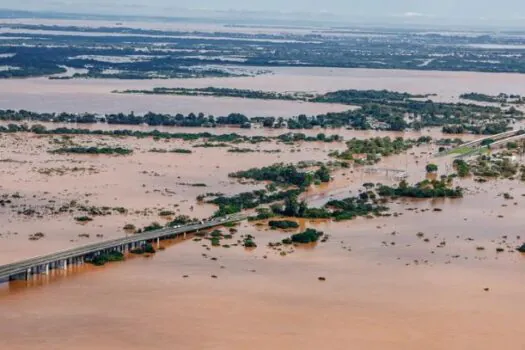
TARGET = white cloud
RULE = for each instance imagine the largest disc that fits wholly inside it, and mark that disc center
(413, 14)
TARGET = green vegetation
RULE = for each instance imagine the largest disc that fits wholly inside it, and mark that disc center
(248, 200)
(93, 150)
(374, 148)
(424, 189)
(462, 167)
(431, 168)
(181, 150)
(522, 249)
(297, 137)
(42, 130)
(308, 236)
(249, 242)
(152, 227)
(104, 258)
(129, 227)
(262, 214)
(499, 165)
(285, 175)
(241, 150)
(377, 110)
(487, 142)
(145, 249)
(283, 224)
(501, 98)
(221, 92)
(83, 219)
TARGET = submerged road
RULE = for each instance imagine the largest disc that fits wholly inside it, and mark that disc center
(61, 259)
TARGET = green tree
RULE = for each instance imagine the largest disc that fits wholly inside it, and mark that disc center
(291, 206)
(323, 174)
(431, 168)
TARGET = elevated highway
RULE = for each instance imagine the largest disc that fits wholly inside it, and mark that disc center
(24, 269)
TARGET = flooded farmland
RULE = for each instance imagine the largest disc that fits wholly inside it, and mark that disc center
(377, 271)
(95, 95)
(433, 274)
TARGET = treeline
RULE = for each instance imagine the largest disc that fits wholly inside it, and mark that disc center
(384, 109)
(500, 98)
(286, 174)
(221, 92)
(210, 138)
(42, 130)
(424, 189)
(93, 150)
(481, 129)
(371, 150)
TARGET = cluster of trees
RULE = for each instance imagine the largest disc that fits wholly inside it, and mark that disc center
(378, 110)
(222, 92)
(321, 137)
(462, 167)
(425, 189)
(493, 128)
(41, 129)
(283, 224)
(103, 258)
(93, 150)
(500, 98)
(345, 209)
(249, 200)
(145, 249)
(494, 166)
(308, 236)
(285, 174)
(376, 147)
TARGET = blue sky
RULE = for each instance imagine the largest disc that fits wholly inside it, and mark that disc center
(431, 10)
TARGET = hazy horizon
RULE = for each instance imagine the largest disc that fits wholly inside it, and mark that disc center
(474, 12)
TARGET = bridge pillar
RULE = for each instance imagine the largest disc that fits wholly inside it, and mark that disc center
(64, 264)
(158, 242)
(184, 235)
(28, 273)
(45, 269)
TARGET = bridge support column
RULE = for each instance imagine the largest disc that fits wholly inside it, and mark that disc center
(64, 264)
(28, 273)
(158, 242)
(45, 269)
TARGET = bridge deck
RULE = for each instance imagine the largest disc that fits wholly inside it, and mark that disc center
(8, 270)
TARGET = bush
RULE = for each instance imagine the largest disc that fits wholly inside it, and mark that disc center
(308, 236)
(83, 219)
(283, 225)
(431, 168)
(102, 259)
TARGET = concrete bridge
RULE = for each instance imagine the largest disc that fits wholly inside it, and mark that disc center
(75, 256)
(473, 147)
(503, 143)
(497, 137)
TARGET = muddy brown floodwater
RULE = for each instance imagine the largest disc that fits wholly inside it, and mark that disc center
(429, 278)
(382, 290)
(83, 95)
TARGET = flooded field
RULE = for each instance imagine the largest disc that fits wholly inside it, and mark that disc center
(95, 95)
(385, 288)
(439, 274)
(78, 96)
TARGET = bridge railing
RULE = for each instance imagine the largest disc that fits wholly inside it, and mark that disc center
(22, 266)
